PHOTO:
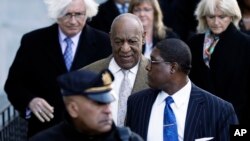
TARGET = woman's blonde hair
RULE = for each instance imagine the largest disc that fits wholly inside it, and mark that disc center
(208, 7)
(159, 29)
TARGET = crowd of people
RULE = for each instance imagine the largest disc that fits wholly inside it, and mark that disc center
(134, 70)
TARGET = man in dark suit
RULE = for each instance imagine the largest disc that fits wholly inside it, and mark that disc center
(107, 13)
(127, 37)
(198, 114)
(31, 85)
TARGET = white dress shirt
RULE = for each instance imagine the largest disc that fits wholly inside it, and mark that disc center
(179, 107)
(116, 70)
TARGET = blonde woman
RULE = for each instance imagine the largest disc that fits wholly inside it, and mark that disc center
(150, 14)
(221, 54)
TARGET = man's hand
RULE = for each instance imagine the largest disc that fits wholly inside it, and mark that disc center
(41, 109)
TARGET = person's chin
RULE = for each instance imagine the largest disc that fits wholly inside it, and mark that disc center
(151, 85)
(127, 65)
(106, 125)
(105, 128)
(217, 31)
(73, 32)
(126, 59)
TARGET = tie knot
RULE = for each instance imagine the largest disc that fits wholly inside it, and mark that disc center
(68, 40)
(124, 8)
(169, 100)
(125, 72)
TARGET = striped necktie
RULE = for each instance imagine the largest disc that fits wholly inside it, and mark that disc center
(170, 132)
(68, 56)
(124, 8)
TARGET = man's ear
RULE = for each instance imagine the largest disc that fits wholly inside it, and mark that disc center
(110, 35)
(110, 38)
(73, 109)
(174, 67)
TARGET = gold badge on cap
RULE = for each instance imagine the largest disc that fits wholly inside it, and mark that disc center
(106, 78)
(107, 81)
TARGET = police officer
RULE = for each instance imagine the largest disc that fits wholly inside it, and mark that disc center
(87, 97)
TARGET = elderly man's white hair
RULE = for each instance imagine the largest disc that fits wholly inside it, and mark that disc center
(56, 8)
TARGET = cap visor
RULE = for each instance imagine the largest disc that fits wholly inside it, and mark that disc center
(106, 97)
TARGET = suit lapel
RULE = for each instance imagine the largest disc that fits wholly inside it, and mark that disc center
(141, 77)
(84, 43)
(53, 48)
(99, 65)
(193, 113)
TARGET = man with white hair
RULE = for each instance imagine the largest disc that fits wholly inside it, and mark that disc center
(46, 53)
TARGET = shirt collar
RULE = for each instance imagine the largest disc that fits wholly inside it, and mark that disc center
(180, 97)
(114, 67)
(119, 5)
(74, 39)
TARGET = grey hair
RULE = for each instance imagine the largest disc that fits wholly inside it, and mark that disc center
(57, 8)
(208, 7)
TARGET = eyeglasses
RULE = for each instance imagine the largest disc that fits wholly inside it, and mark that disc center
(138, 10)
(157, 61)
(77, 15)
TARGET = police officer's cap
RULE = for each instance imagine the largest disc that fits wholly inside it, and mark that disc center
(94, 86)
